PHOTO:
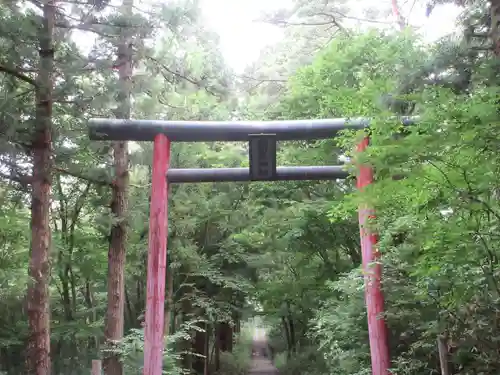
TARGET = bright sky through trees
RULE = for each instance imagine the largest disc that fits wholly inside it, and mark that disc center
(242, 37)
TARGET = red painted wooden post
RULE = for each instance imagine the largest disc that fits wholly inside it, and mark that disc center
(157, 258)
(377, 330)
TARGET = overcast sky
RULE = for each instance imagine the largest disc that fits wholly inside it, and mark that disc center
(242, 38)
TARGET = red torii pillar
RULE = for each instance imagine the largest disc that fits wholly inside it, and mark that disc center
(157, 258)
(372, 270)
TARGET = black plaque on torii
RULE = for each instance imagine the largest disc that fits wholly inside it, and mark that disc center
(262, 157)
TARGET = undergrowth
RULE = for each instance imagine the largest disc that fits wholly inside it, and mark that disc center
(238, 362)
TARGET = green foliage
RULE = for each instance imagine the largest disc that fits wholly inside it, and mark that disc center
(238, 362)
(185, 87)
(131, 350)
(435, 225)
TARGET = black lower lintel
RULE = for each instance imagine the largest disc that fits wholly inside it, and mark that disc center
(191, 175)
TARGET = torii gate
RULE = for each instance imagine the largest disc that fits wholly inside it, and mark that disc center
(262, 137)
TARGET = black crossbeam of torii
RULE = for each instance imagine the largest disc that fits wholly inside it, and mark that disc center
(262, 137)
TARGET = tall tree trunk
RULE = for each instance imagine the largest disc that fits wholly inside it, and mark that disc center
(495, 25)
(225, 337)
(237, 324)
(217, 345)
(293, 339)
(287, 336)
(208, 334)
(38, 360)
(443, 354)
(119, 203)
(198, 348)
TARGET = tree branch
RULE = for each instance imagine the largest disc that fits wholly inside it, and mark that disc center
(200, 83)
(95, 181)
(18, 75)
(23, 181)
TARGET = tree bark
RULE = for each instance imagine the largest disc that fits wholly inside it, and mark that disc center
(119, 206)
(217, 345)
(225, 338)
(38, 360)
(287, 337)
(208, 333)
(199, 346)
(495, 25)
(443, 354)
(293, 339)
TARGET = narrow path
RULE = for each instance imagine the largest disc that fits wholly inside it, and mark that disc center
(261, 358)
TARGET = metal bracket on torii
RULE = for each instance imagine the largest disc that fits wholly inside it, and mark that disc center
(262, 138)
